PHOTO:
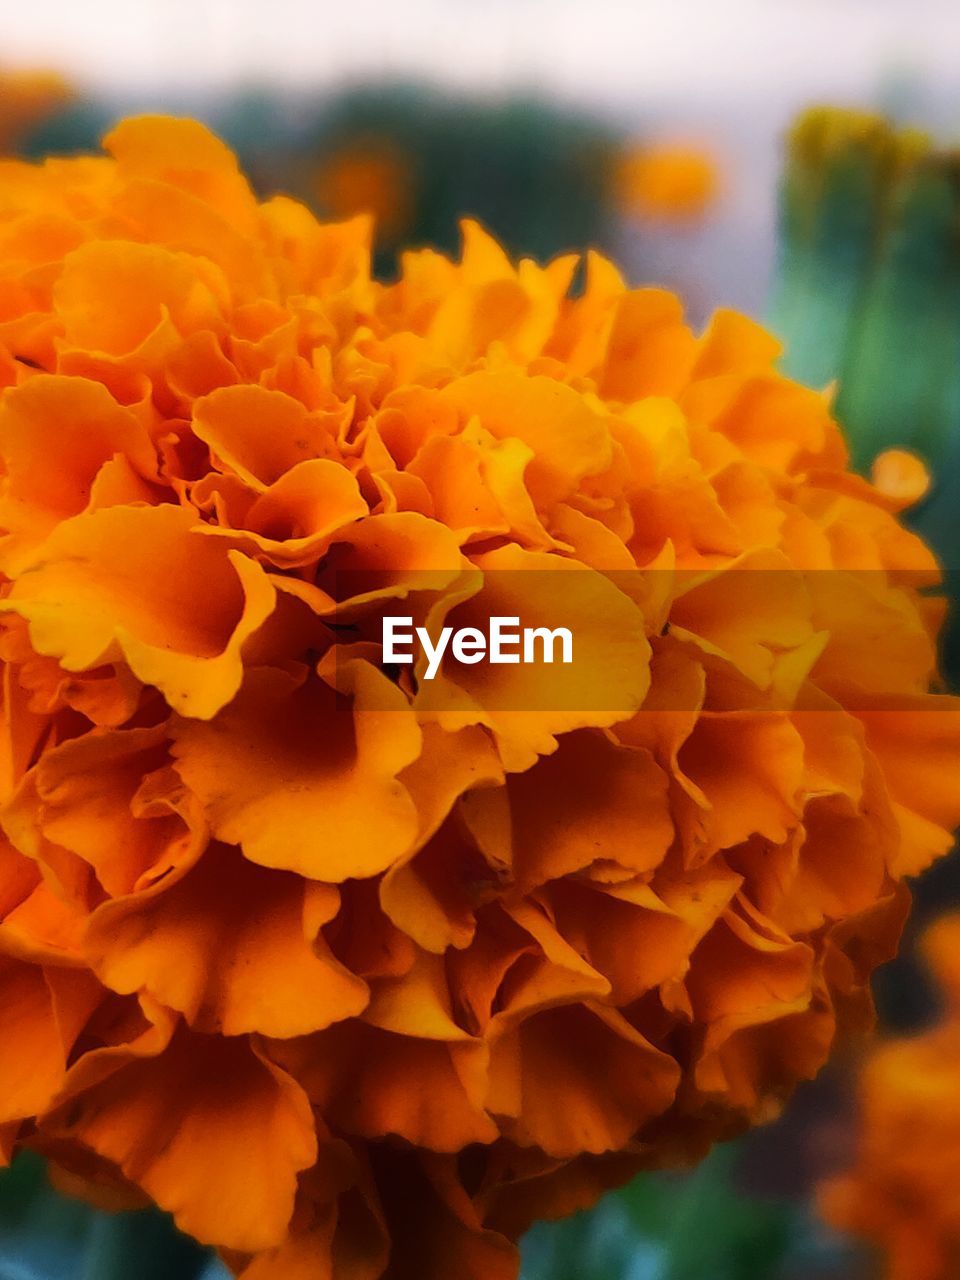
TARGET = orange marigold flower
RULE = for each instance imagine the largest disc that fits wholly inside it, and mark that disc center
(902, 1194)
(356, 972)
(671, 181)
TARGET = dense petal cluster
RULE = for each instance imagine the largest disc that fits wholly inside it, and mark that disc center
(902, 1194)
(354, 976)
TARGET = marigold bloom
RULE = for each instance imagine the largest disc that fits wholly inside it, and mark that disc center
(903, 1192)
(358, 977)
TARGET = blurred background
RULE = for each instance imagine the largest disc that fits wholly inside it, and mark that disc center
(726, 78)
(790, 158)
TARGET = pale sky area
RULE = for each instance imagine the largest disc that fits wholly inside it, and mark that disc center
(606, 49)
(732, 72)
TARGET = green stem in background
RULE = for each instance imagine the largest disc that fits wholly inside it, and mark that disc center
(841, 167)
(900, 384)
(869, 295)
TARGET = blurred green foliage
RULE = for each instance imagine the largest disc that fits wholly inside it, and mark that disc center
(535, 175)
(46, 1236)
(868, 290)
(701, 1225)
(868, 296)
(842, 170)
(695, 1226)
(868, 284)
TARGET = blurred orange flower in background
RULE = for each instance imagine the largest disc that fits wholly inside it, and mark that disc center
(668, 181)
(357, 981)
(26, 99)
(373, 178)
(903, 1193)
